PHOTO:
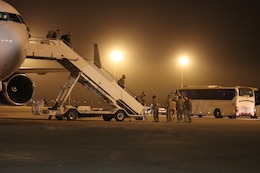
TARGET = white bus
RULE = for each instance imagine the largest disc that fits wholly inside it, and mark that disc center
(221, 101)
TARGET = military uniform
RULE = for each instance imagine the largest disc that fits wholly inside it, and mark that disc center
(187, 110)
(155, 108)
(180, 107)
(169, 108)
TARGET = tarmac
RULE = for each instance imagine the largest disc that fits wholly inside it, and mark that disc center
(32, 143)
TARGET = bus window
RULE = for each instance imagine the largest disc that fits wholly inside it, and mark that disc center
(257, 97)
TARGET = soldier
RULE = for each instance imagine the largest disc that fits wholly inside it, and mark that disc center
(121, 81)
(173, 109)
(141, 98)
(57, 34)
(155, 109)
(187, 110)
(66, 38)
(180, 107)
(169, 108)
(50, 34)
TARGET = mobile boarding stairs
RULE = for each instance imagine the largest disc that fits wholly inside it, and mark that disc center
(122, 104)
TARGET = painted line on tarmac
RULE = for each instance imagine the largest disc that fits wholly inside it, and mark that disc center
(248, 119)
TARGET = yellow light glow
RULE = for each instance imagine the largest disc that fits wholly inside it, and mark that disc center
(184, 60)
(116, 56)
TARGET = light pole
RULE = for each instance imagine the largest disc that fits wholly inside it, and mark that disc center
(183, 61)
(116, 57)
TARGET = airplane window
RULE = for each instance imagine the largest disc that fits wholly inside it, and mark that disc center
(14, 18)
(3, 16)
(21, 19)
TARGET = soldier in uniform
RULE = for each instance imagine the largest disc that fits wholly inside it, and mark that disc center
(169, 108)
(155, 109)
(121, 81)
(141, 98)
(66, 38)
(187, 110)
(180, 107)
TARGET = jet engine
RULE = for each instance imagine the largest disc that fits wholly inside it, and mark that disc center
(17, 90)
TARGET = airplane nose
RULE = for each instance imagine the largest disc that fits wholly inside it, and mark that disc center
(12, 49)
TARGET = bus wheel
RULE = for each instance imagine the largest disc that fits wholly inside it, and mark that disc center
(120, 116)
(72, 114)
(217, 113)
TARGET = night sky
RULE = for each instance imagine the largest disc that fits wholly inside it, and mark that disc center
(220, 38)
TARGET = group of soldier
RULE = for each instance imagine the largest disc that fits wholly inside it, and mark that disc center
(176, 104)
(66, 38)
(183, 108)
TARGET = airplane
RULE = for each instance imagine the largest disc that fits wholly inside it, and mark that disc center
(16, 88)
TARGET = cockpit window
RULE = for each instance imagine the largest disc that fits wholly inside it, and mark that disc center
(21, 19)
(11, 17)
(3, 16)
(14, 18)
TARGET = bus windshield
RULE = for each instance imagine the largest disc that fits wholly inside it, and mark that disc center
(245, 92)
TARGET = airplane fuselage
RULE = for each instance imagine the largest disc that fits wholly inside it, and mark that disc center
(13, 40)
